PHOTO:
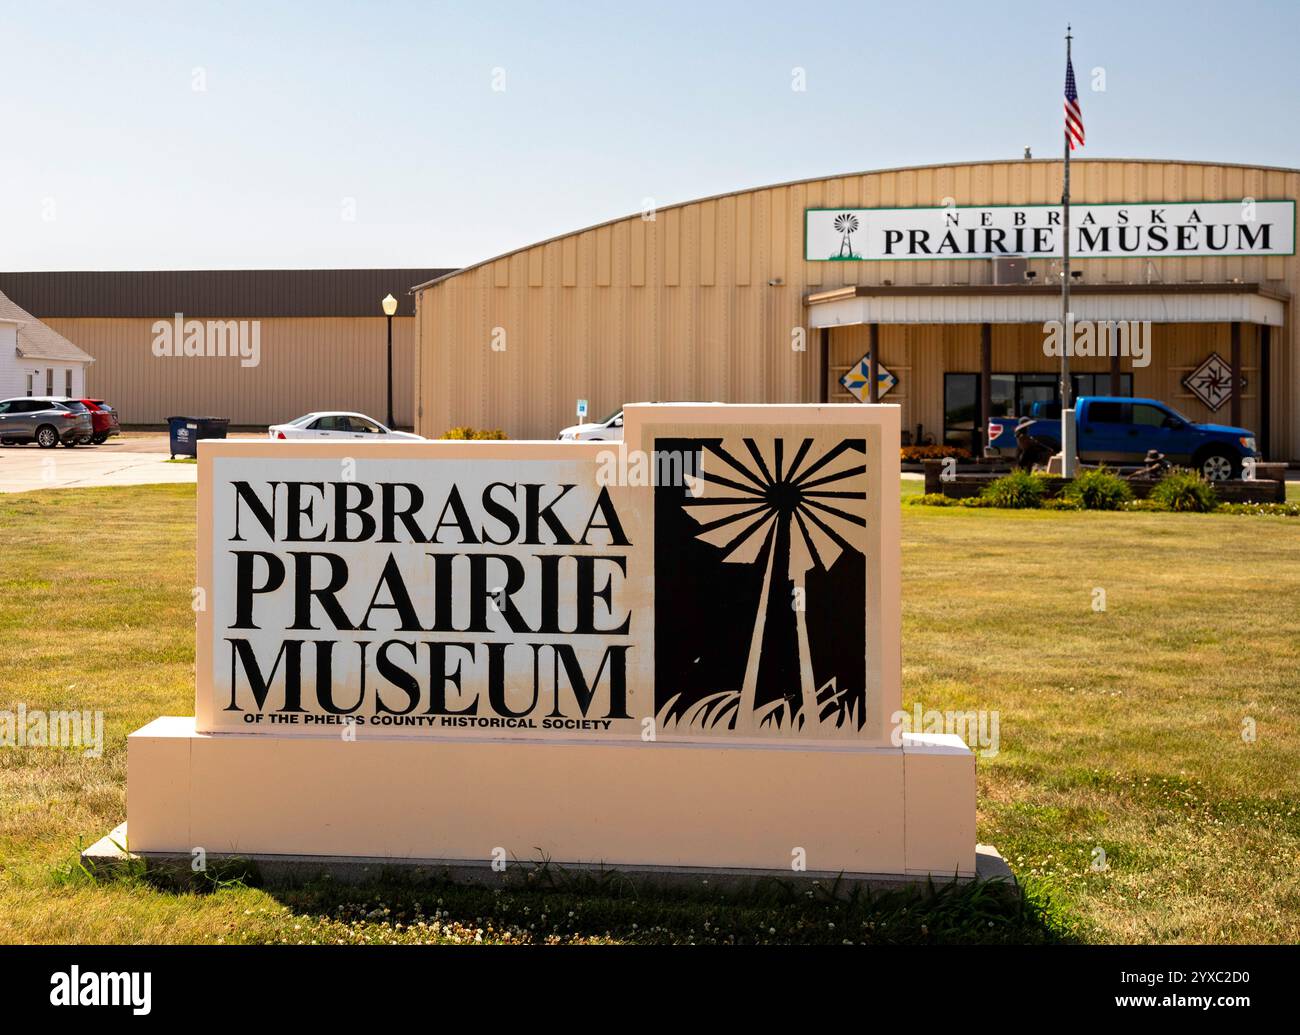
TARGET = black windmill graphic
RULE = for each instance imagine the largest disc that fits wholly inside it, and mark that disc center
(847, 224)
(794, 520)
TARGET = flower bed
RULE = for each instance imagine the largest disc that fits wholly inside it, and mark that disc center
(1178, 491)
(962, 484)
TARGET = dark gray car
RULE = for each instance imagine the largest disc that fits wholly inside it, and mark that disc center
(46, 421)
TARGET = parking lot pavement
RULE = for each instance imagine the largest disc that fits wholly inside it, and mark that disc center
(126, 461)
(154, 442)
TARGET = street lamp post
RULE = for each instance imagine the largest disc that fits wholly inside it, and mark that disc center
(390, 308)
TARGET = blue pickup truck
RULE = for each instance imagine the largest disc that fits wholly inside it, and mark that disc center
(1120, 431)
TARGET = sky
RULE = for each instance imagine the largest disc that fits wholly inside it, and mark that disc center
(280, 135)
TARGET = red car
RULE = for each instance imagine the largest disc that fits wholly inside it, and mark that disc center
(104, 420)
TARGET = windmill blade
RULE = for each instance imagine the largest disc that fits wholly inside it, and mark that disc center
(826, 527)
(799, 455)
(712, 478)
(740, 545)
(845, 468)
(713, 514)
(826, 510)
(754, 451)
(817, 544)
(749, 546)
(716, 449)
(803, 553)
(844, 527)
(829, 457)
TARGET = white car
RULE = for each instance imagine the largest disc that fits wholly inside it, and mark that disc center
(335, 424)
(608, 430)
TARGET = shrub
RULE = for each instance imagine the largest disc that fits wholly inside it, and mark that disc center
(1185, 491)
(475, 434)
(975, 501)
(1062, 503)
(911, 454)
(1017, 491)
(931, 499)
(1099, 489)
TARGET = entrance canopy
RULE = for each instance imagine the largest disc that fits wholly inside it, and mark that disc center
(1038, 303)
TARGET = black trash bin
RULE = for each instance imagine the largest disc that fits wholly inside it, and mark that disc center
(186, 431)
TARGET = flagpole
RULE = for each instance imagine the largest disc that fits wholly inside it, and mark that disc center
(1067, 422)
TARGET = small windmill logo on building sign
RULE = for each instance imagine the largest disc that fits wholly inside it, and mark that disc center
(846, 223)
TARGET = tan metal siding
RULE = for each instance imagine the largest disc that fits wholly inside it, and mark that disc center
(307, 363)
(680, 307)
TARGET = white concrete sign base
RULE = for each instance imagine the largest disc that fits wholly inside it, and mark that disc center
(853, 810)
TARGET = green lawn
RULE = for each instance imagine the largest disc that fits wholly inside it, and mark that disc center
(1120, 731)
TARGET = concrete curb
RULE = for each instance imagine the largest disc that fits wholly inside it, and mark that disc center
(109, 855)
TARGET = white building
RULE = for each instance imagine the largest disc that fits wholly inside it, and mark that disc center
(35, 359)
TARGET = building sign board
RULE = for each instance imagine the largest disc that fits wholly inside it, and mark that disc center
(1139, 230)
(725, 573)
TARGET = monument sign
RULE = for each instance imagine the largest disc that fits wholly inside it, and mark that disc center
(680, 650)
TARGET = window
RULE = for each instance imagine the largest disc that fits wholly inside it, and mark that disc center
(960, 410)
(49, 380)
(360, 424)
(1108, 413)
(30, 378)
(1002, 395)
(67, 381)
(332, 423)
(1037, 388)
(1149, 416)
(1099, 384)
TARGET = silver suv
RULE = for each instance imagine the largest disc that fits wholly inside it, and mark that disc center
(45, 420)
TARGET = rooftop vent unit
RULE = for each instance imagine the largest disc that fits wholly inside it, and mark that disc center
(1010, 270)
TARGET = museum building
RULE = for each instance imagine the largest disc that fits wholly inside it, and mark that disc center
(1182, 280)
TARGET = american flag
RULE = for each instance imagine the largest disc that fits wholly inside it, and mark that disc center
(1073, 113)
